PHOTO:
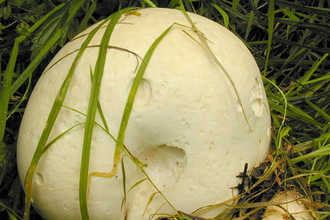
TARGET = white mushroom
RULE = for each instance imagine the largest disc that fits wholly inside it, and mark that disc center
(186, 123)
(290, 205)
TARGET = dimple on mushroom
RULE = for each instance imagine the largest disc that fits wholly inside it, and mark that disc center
(187, 122)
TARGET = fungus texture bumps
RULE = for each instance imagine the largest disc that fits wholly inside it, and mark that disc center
(187, 122)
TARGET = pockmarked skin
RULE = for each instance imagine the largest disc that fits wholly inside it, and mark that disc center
(186, 122)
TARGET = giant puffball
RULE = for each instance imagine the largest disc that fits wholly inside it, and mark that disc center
(289, 205)
(187, 122)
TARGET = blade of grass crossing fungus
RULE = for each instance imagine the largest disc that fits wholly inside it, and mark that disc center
(149, 201)
(103, 128)
(50, 122)
(130, 100)
(99, 108)
(45, 134)
(204, 45)
(91, 113)
(124, 123)
(61, 135)
(124, 183)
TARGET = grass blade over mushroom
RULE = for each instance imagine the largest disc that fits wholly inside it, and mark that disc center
(208, 50)
(130, 101)
(91, 112)
(121, 135)
(51, 120)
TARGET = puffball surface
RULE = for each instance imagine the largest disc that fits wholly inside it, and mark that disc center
(186, 122)
(290, 205)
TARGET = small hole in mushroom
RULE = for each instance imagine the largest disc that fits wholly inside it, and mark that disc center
(65, 207)
(143, 95)
(39, 179)
(256, 98)
(165, 165)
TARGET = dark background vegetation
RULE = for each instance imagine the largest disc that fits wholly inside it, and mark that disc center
(288, 38)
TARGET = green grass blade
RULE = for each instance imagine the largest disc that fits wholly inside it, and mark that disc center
(208, 50)
(254, 15)
(44, 18)
(290, 14)
(249, 26)
(233, 11)
(150, 3)
(5, 89)
(124, 183)
(99, 108)
(325, 151)
(278, 141)
(130, 101)
(309, 46)
(317, 10)
(61, 135)
(91, 113)
(235, 4)
(7, 92)
(22, 99)
(88, 15)
(149, 201)
(319, 110)
(28, 71)
(103, 128)
(12, 214)
(5, 154)
(310, 72)
(49, 125)
(271, 22)
(297, 63)
(223, 14)
(125, 193)
(326, 77)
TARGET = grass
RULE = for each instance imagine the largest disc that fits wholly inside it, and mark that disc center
(289, 39)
